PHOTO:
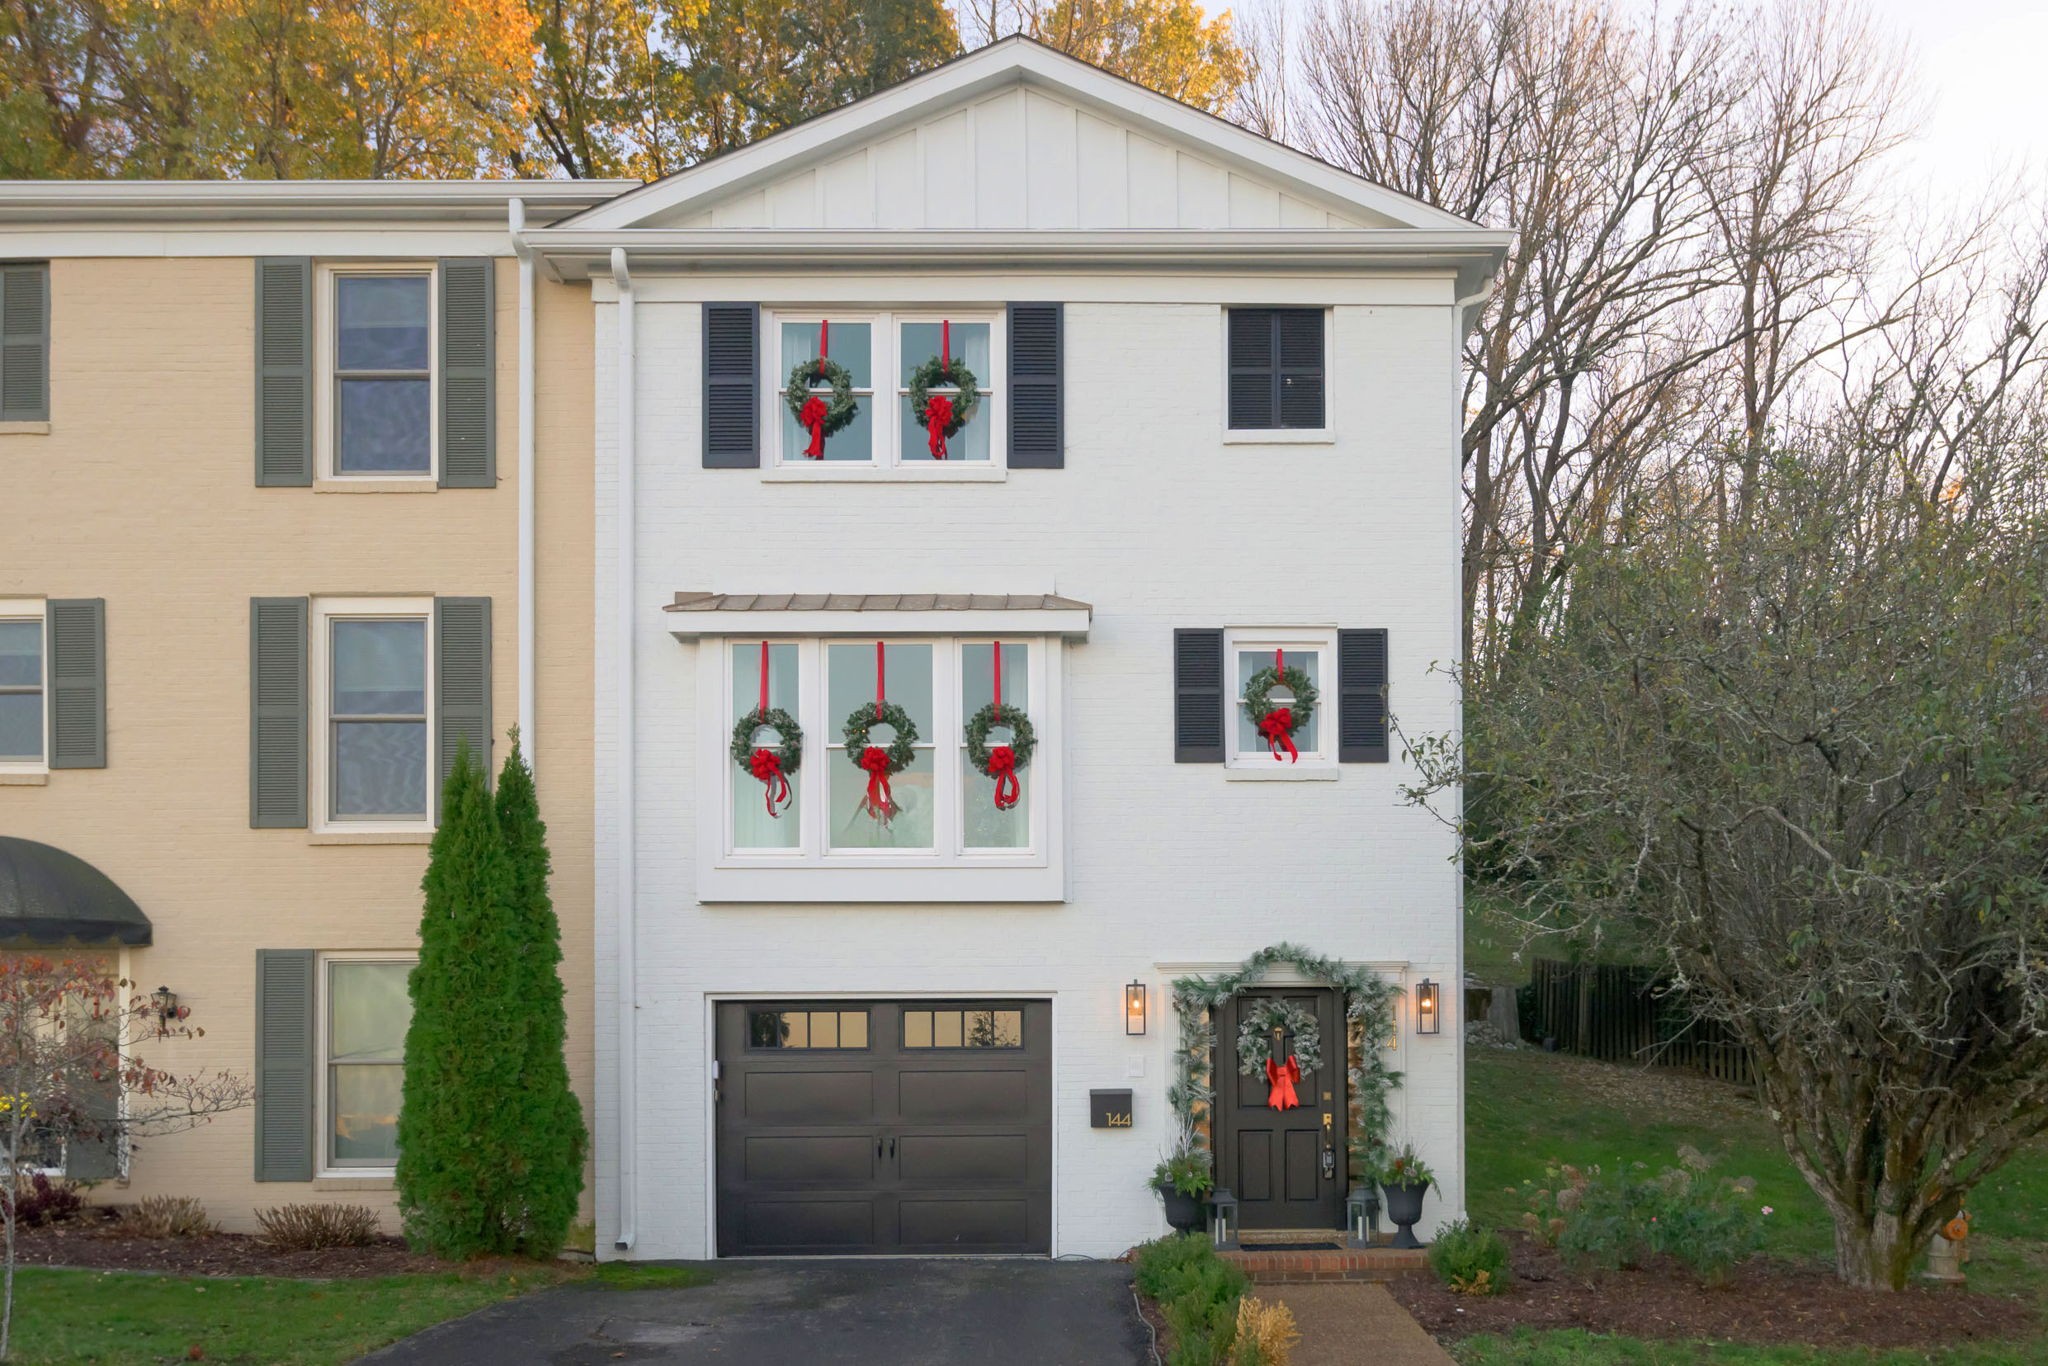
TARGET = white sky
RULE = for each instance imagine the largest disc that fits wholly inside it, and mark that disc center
(1980, 62)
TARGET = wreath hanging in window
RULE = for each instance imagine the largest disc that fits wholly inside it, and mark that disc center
(770, 765)
(1001, 762)
(1276, 725)
(820, 416)
(1258, 1022)
(880, 762)
(943, 415)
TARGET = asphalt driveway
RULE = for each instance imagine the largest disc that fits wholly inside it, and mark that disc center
(884, 1311)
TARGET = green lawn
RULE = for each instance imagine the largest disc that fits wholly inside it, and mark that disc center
(1525, 1108)
(112, 1316)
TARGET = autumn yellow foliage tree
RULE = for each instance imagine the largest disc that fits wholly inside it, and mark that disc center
(1171, 46)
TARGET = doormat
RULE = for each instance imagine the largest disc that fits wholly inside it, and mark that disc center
(1326, 1246)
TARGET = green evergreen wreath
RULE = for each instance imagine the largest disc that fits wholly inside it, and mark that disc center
(1258, 703)
(791, 749)
(999, 716)
(1255, 1025)
(936, 373)
(901, 750)
(840, 409)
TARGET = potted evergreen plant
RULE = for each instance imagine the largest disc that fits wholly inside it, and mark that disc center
(1405, 1178)
(1183, 1181)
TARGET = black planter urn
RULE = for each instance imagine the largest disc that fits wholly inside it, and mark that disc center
(1183, 1212)
(1404, 1209)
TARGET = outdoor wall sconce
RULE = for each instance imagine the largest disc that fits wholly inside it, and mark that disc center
(1427, 1019)
(1134, 1009)
(164, 1002)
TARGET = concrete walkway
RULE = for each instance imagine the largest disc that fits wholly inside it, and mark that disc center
(846, 1312)
(1351, 1324)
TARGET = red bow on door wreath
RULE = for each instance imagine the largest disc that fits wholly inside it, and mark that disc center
(1280, 1079)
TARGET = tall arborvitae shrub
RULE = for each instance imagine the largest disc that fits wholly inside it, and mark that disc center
(461, 1130)
(553, 1141)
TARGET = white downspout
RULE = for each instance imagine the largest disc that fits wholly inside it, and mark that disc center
(528, 496)
(629, 1004)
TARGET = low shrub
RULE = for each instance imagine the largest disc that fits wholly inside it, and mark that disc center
(1616, 1219)
(166, 1216)
(38, 1200)
(1265, 1334)
(307, 1228)
(1197, 1292)
(1471, 1261)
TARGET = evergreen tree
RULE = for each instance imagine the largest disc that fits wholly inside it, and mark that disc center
(552, 1137)
(460, 1140)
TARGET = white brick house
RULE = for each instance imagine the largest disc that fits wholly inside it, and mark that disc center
(1219, 420)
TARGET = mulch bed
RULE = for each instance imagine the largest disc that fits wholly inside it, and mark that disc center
(1767, 1300)
(95, 1242)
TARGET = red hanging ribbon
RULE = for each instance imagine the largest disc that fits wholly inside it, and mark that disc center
(938, 415)
(999, 673)
(879, 802)
(764, 675)
(881, 679)
(813, 414)
(1002, 766)
(767, 769)
(1278, 729)
(1280, 1079)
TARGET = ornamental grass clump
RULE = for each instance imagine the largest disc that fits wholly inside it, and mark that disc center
(167, 1216)
(1265, 1334)
(309, 1228)
(1471, 1261)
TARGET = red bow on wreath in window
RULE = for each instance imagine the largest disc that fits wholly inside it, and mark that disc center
(770, 765)
(943, 415)
(1001, 762)
(880, 762)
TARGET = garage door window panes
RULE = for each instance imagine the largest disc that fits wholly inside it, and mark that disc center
(807, 1028)
(964, 1028)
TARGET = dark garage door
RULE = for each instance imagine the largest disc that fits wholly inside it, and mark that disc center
(884, 1126)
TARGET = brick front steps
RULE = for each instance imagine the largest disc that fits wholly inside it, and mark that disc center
(1335, 1263)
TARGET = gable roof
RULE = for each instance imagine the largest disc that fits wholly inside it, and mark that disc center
(1229, 155)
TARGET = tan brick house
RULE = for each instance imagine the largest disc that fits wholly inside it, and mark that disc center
(264, 468)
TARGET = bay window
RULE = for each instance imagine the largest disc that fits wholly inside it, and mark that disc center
(881, 353)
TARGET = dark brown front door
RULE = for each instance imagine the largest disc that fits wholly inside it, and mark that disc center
(884, 1126)
(1284, 1166)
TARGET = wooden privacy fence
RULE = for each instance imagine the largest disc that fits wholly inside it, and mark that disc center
(1618, 1013)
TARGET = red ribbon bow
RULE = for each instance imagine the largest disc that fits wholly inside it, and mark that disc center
(767, 768)
(1278, 728)
(879, 802)
(938, 415)
(1280, 1079)
(1002, 766)
(813, 417)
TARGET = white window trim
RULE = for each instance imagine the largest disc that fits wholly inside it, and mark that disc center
(325, 416)
(323, 1017)
(37, 610)
(320, 649)
(1318, 764)
(1325, 435)
(814, 872)
(888, 465)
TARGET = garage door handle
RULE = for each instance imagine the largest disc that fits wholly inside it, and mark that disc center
(892, 1150)
(878, 1147)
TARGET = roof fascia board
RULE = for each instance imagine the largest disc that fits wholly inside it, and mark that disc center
(156, 203)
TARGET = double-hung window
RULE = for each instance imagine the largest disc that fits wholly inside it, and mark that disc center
(882, 353)
(365, 1013)
(378, 402)
(1314, 653)
(23, 725)
(374, 668)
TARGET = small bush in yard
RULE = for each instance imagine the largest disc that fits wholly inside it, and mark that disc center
(1617, 1219)
(1265, 1334)
(39, 1200)
(1471, 1261)
(306, 1228)
(1198, 1293)
(166, 1216)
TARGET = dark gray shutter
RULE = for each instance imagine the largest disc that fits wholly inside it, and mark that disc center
(467, 375)
(25, 343)
(732, 416)
(1037, 413)
(1362, 697)
(284, 1064)
(1251, 369)
(284, 371)
(78, 682)
(1298, 343)
(1198, 696)
(277, 713)
(462, 684)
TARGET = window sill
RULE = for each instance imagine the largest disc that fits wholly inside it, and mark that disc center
(840, 884)
(370, 837)
(1281, 773)
(824, 472)
(380, 1180)
(365, 484)
(24, 428)
(24, 777)
(1284, 436)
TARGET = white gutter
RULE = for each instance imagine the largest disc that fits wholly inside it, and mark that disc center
(159, 202)
(528, 495)
(629, 1004)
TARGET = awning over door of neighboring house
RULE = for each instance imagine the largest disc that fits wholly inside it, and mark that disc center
(51, 899)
